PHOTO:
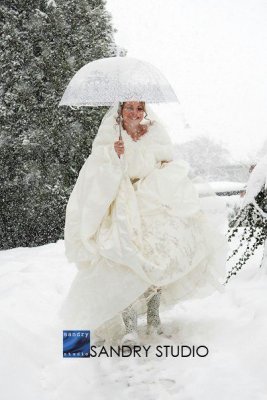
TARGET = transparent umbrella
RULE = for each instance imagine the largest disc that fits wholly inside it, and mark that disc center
(109, 80)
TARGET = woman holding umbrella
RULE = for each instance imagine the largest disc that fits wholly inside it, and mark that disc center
(134, 224)
(135, 229)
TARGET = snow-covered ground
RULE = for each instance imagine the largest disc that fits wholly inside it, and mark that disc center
(232, 325)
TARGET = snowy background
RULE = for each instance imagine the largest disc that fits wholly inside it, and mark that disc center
(214, 53)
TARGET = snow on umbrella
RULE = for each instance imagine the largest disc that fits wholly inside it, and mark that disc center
(111, 80)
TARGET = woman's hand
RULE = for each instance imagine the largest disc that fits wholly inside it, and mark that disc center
(119, 147)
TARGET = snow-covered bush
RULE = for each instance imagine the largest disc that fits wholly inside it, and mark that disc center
(251, 222)
(42, 147)
(205, 157)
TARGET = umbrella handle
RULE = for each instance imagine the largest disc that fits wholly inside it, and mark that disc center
(120, 137)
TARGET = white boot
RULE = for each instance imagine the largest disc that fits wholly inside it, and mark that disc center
(98, 341)
(129, 317)
(153, 319)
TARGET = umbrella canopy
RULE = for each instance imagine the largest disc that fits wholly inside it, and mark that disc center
(110, 80)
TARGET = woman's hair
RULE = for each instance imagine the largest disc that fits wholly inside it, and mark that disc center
(121, 106)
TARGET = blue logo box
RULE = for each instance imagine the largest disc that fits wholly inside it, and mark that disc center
(76, 344)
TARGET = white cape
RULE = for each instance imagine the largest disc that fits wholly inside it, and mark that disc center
(127, 236)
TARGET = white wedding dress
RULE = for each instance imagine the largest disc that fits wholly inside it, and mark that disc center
(134, 223)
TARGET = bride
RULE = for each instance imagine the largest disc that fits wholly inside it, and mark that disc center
(135, 229)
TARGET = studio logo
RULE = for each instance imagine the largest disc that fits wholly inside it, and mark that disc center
(76, 344)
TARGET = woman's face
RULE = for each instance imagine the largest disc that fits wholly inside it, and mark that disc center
(132, 112)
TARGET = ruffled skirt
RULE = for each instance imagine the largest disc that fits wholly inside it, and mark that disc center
(154, 235)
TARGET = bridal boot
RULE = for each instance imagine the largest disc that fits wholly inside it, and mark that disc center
(129, 317)
(98, 341)
(153, 319)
